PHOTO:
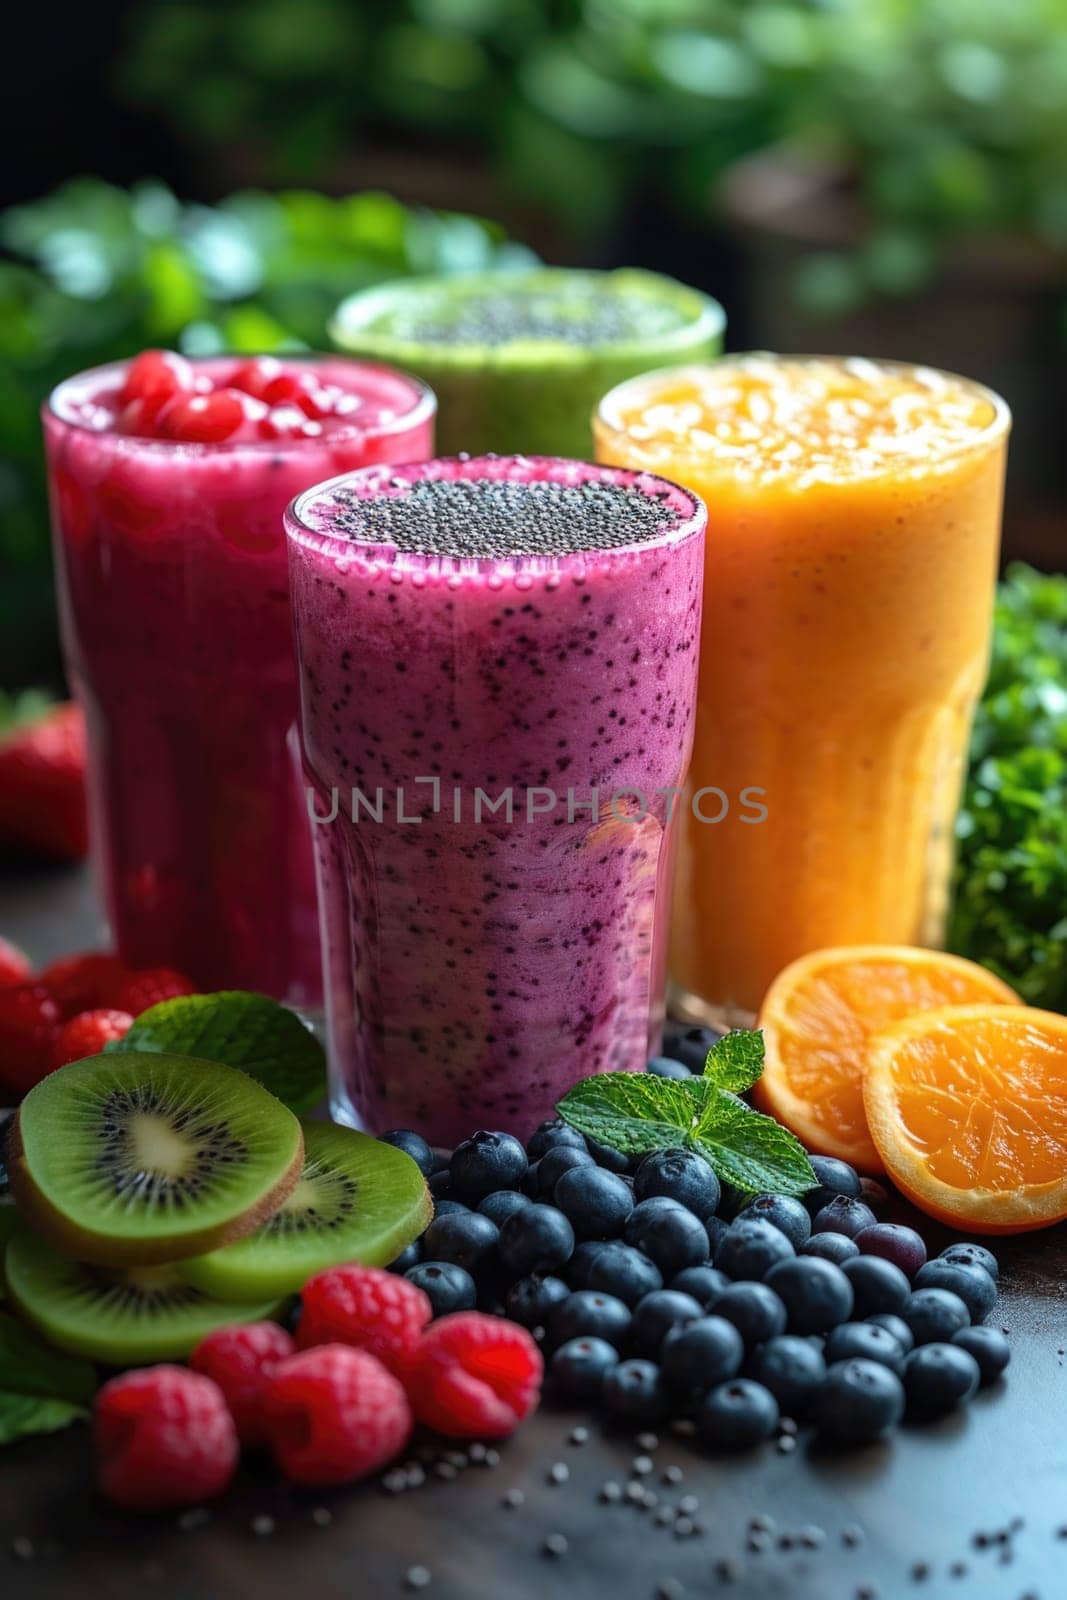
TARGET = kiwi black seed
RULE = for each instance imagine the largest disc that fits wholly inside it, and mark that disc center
(119, 1315)
(357, 1200)
(137, 1158)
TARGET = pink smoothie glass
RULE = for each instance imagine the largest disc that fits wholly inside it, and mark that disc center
(497, 668)
(174, 610)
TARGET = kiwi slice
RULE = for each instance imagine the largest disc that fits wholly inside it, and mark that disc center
(357, 1200)
(120, 1315)
(131, 1159)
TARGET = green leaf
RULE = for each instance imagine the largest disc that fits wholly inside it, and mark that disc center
(735, 1062)
(41, 1389)
(634, 1112)
(248, 1031)
(751, 1151)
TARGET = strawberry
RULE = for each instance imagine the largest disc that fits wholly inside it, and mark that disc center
(84, 981)
(87, 1034)
(139, 991)
(42, 785)
(15, 966)
(29, 1023)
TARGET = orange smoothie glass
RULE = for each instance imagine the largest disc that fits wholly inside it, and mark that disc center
(854, 513)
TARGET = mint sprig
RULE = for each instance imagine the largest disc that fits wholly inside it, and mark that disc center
(638, 1112)
(242, 1030)
(41, 1389)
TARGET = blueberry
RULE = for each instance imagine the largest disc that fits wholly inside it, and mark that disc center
(972, 1283)
(606, 1156)
(442, 1158)
(450, 1208)
(407, 1258)
(972, 1255)
(580, 1366)
(939, 1377)
(755, 1311)
(466, 1239)
(858, 1402)
(792, 1369)
(597, 1202)
(867, 1340)
(668, 1234)
(536, 1239)
(440, 1184)
(989, 1348)
(874, 1195)
(751, 1248)
(835, 1247)
(530, 1300)
(413, 1145)
(587, 1314)
(656, 1314)
(486, 1162)
(580, 1264)
(896, 1326)
(550, 1136)
(664, 1067)
(815, 1293)
(680, 1175)
(892, 1241)
(530, 1185)
(934, 1315)
(447, 1286)
(844, 1215)
(737, 1415)
(689, 1045)
(705, 1284)
(554, 1163)
(623, 1271)
(877, 1285)
(783, 1212)
(697, 1354)
(716, 1229)
(635, 1390)
(502, 1205)
(835, 1177)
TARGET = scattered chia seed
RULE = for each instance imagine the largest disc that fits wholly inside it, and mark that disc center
(786, 1445)
(920, 1572)
(195, 1517)
(664, 1517)
(513, 1499)
(683, 1527)
(684, 1428)
(445, 1470)
(417, 1578)
(851, 1536)
(727, 1570)
(647, 1442)
(688, 1504)
(322, 1516)
(477, 1453)
(669, 1589)
(650, 1499)
(610, 1493)
(458, 1459)
(22, 1548)
(635, 1493)
(555, 1545)
(759, 1540)
(579, 1436)
(415, 1476)
(492, 1458)
(558, 1473)
(485, 518)
(263, 1525)
(672, 1475)
(641, 1466)
(958, 1569)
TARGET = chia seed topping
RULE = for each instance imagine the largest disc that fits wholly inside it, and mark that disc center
(496, 317)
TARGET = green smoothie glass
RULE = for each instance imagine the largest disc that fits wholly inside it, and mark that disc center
(519, 360)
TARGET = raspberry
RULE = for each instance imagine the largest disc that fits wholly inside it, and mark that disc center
(139, 991)
(201, 418)
(475, 1377)
(363, 1306)
(242, 1360)
(254, 376)
(88, 1033)
(83, 982)
(29, 1023)
(14, 965)
(163, 1438)
(334, 1414)
(156, 375)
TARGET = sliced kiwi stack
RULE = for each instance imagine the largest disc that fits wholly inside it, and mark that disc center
(121, 1316)
(129, 1160)
(357, 1200)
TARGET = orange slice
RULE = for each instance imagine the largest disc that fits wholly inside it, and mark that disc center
(818, 1017)
(968, 1109)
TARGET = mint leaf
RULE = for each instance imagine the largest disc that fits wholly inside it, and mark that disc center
(41, 1389)
(751, 1151)
(634, 1112)
(248, 1031)
(735, 1062)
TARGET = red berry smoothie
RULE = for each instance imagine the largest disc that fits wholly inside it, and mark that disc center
(503, 626)
(169, 480)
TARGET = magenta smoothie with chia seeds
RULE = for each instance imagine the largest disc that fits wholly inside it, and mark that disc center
(497, 664)
(169, 480)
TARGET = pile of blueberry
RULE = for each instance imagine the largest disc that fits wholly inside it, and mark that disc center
(656, 1294)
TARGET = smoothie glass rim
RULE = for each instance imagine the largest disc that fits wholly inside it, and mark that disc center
(707, 322)
(423, 407)
(607, 417)
(691, 523)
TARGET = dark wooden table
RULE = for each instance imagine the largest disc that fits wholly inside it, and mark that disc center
(978, 1501)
